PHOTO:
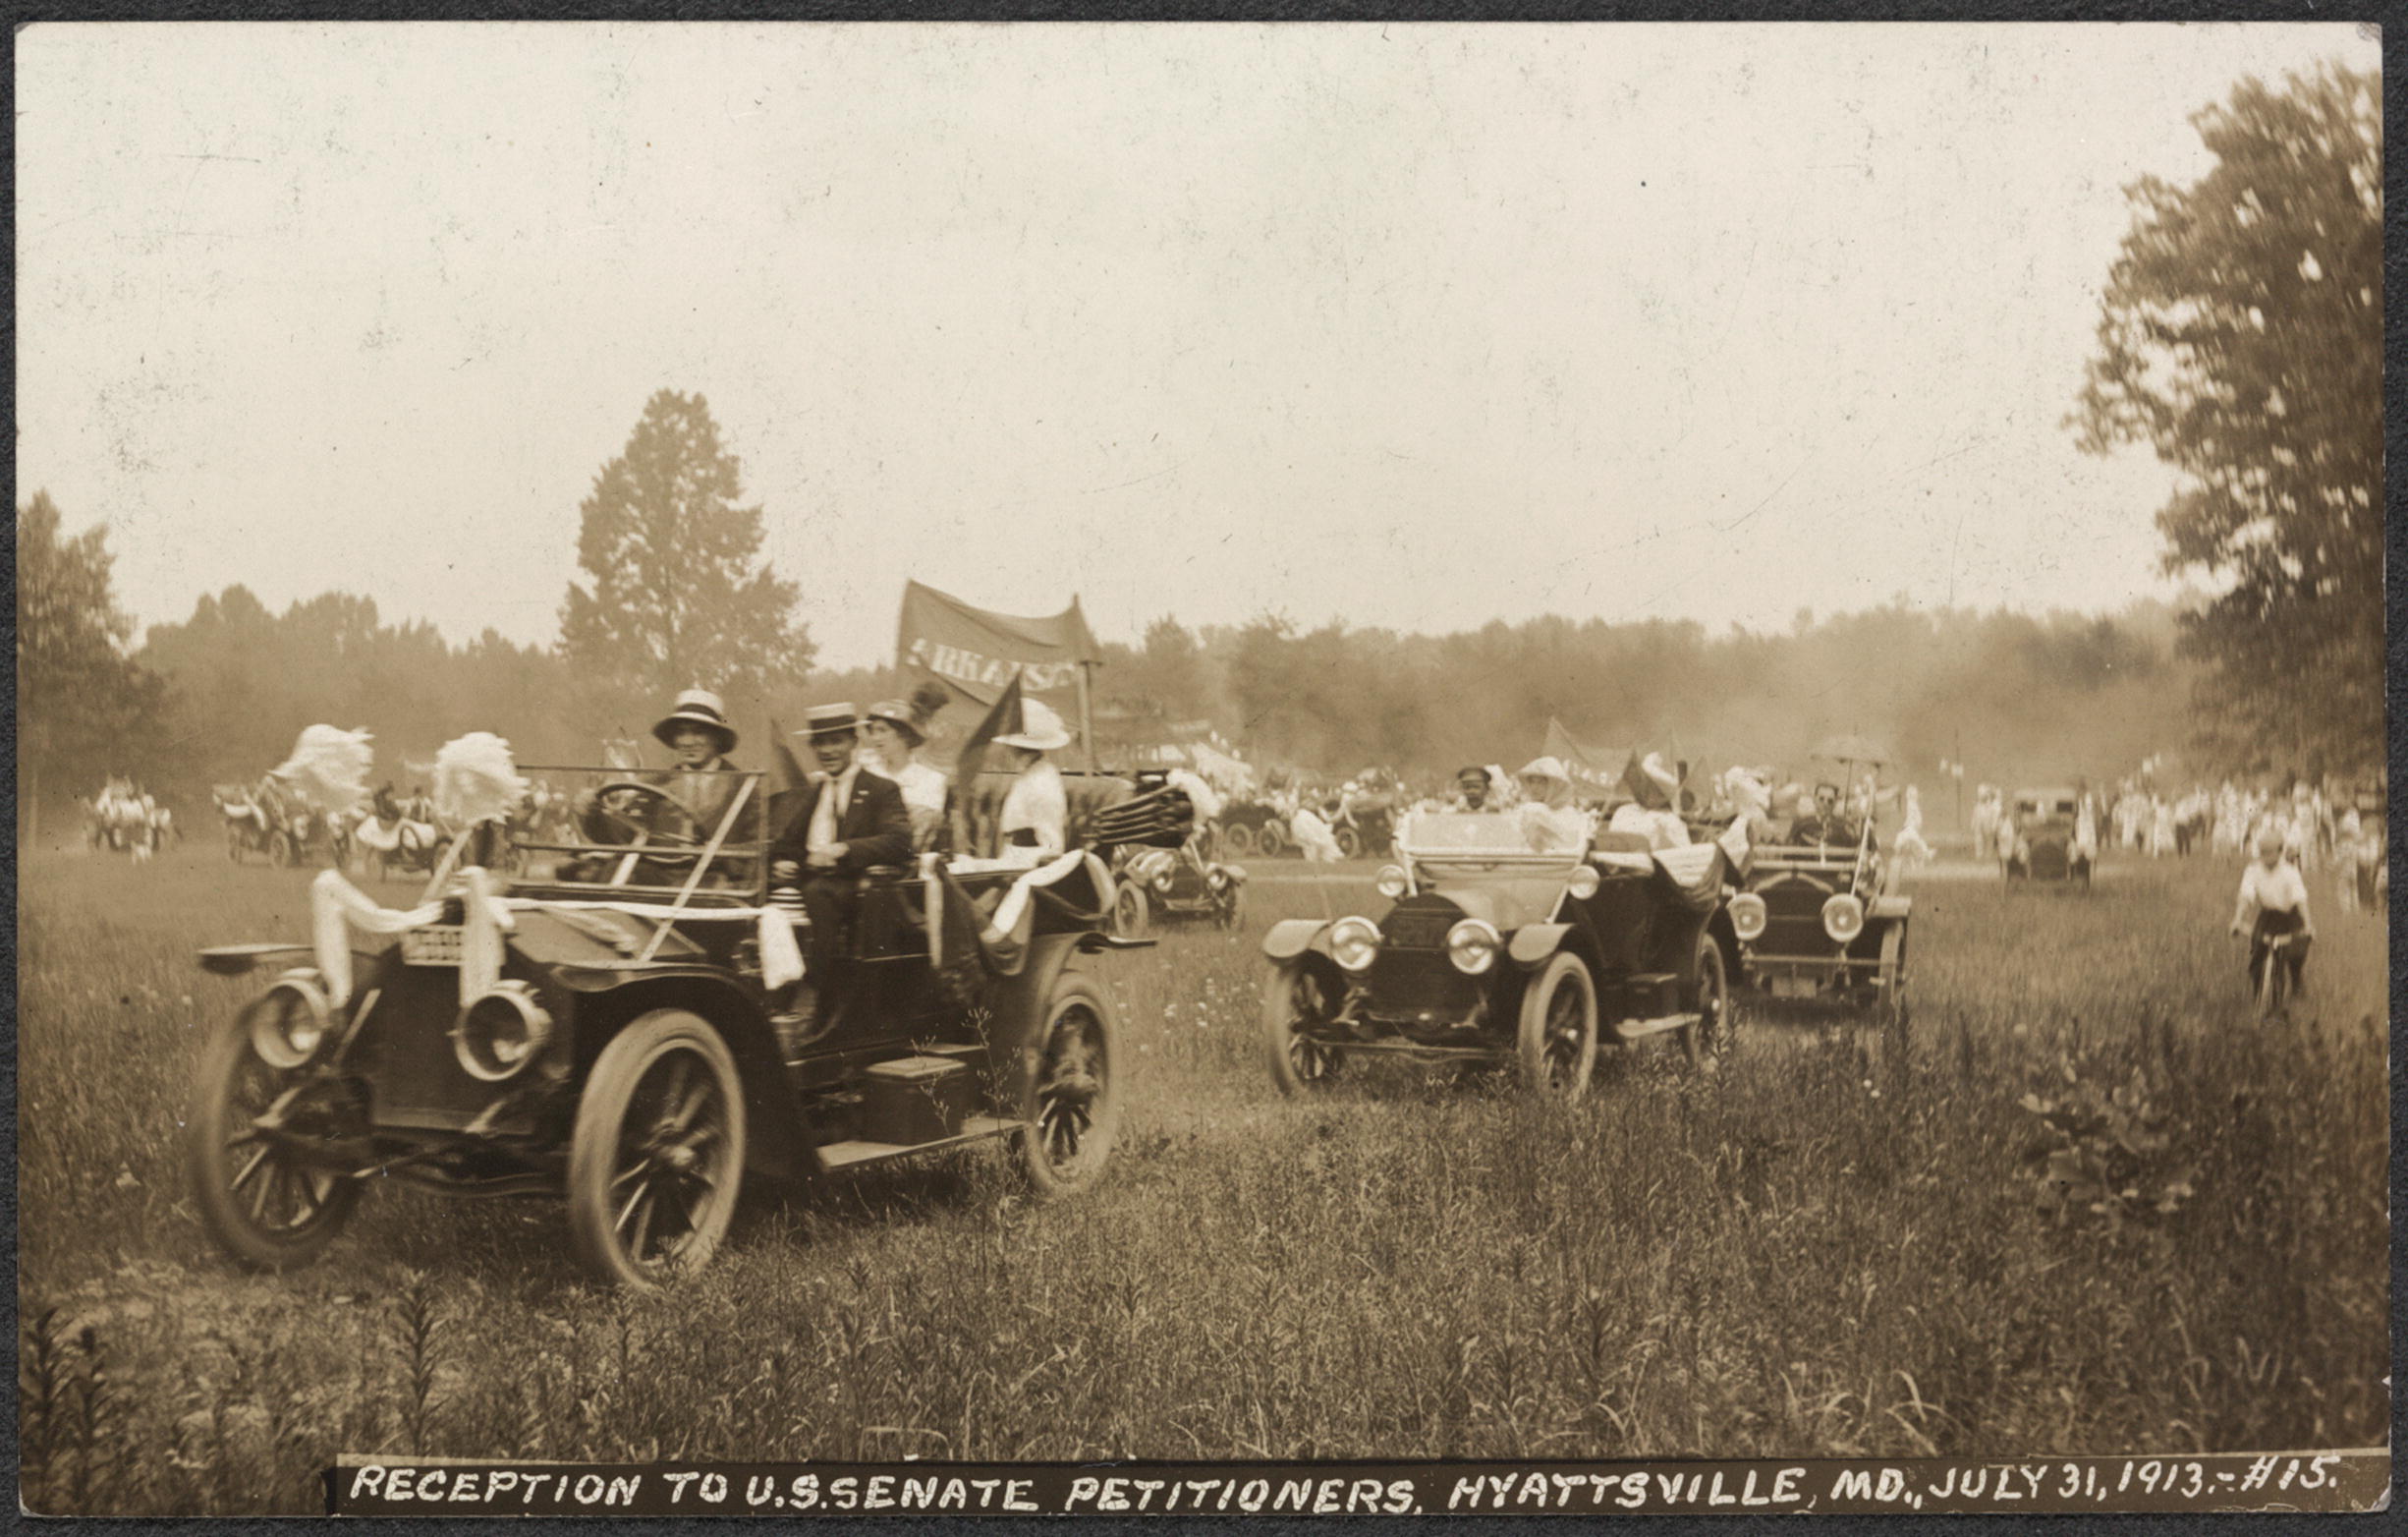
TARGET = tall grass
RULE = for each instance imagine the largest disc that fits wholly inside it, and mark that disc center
(1826, 1248)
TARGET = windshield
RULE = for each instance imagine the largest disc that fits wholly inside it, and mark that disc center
(1485, 837)
(642, 831)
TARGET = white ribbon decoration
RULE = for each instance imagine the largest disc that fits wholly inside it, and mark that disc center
(336, 907)
(781, 957)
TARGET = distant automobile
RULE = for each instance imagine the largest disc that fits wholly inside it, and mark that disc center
(1493, 952)
(2037, 841)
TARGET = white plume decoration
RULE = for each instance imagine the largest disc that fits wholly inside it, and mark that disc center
(477, 780)
(329, 767)
(1199, 793)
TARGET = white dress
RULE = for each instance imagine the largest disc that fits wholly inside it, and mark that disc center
(1037, 803)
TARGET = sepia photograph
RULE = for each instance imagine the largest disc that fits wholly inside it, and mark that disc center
(770, 766)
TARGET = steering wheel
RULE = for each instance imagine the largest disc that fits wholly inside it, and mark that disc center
(645, 834)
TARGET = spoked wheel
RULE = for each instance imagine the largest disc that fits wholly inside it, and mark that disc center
(1558, 1034)
(2273, 984)
(1708, 1041)
(1350, 843)
(657, 1156)
(1072, 1102)
(281, 851)
(1270, 838)
(1232, 909)
(1896, 1014)
(1130, 910)
(262, 1196)
(1299, 996)
(1238, 838)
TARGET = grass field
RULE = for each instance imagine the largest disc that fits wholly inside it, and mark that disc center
(1823, 1249)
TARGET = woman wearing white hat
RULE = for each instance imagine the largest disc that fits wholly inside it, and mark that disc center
(1656, 790)
(1550, 822)
(1035, 816)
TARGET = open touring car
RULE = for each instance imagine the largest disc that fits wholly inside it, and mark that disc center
(2040, 841)
(603, 1031)
(1493, 952)
(1816, 922)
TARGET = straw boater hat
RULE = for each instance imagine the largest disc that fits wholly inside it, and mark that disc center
(829, 720)
(1040, 730)
(696, 708)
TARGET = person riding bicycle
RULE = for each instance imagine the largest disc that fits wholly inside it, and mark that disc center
(2274, 903)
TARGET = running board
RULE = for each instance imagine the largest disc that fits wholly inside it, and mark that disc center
(1640, 1029)
(1430, 1053)
(976, 1128)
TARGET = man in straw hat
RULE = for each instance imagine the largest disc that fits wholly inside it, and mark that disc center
(702, 786)
(846, 821)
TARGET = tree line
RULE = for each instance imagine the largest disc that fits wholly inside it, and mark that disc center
(2239, 339)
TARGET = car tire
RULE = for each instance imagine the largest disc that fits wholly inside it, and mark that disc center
(1299, 991)
(1232, 909)
(1271, 838)
(1896, 1013)
(1237, 839)
(270, 1211)
(658, 1138)
(1131, 912)
(1072, 1101)
(1350, 842)
(1709, 1040)
(1557, 1041)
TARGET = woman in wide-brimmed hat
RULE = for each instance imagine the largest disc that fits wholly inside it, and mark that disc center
(1550, 820)
(893, 730)
(1656, 790)
(1035, 825)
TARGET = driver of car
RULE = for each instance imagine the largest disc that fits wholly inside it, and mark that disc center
(1825, 824)
(700, 786)
(1471, 788)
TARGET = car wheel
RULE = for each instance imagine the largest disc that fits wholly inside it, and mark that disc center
(1300, 992)
(265, 1202)
(1271, 838)
(1558, 1035)
(657, 1159)
(1238, 838)
(1350, 843)
(1130, 910)
(281, 852)
(1232, 910)
(1071, 1103)
(1895, 1012)
(1708, 1041)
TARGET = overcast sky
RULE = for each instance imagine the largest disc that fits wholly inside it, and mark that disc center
(1411, 325)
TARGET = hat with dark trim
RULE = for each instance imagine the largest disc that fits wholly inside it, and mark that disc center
(696, 708)
(830, 720)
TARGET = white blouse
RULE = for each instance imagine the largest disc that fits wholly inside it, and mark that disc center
(1037, 803)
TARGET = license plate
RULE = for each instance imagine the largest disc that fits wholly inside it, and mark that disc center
(1418, 930)
(430, 946)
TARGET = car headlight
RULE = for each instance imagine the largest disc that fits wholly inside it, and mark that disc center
(1843, 917)
(1748, 915)
(500, 1032)
(292, 1020)
(1581, 883)
(1391, 882)
(1353, 941)
(1472, 945)
(1161, 880)
(1217, 877)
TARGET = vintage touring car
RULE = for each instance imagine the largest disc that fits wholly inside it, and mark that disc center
(2038, 841)
(1816, 922)
(1158, 884)
(604, 1031)
(1494, 952)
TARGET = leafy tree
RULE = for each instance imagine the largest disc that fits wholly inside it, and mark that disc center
(674, 596)
(2241, 339)
(85, 708)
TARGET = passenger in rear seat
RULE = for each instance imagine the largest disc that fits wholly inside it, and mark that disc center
(1652, 813)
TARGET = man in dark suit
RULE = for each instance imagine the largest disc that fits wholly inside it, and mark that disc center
(845, 822)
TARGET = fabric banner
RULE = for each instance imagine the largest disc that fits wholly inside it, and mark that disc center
(976, 651)
(1595, 770)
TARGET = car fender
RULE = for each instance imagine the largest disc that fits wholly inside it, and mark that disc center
(1016, 1010)
(1292, 936)
(1890, 905)
(1534, 943)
